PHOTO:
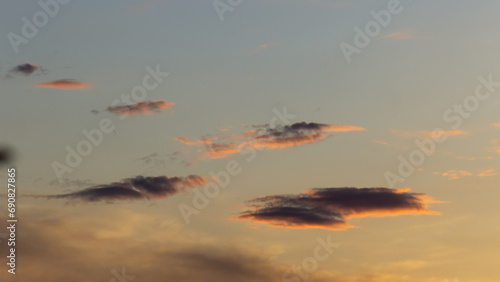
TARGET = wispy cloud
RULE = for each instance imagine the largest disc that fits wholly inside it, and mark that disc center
(264, 46)
(496, 143)
(140, 108)
(408, 33)
(65, 84)
(495, 125)
(424, 134)
(329, 208)
(487, 173)
(455, 174)
(458, 174)
(265, 137)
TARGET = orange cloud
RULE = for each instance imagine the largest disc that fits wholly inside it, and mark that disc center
(456, 174)
(497, 144)
(495, 124)
(204, 141)
(486, 173)
(66, 84)
(408, 33)
(264, 46)
(219, 151)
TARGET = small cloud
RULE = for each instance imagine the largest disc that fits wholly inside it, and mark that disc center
(65, 84)
(487, 173)
(25, 69)
(153, 160)
(474, 158)
(408, 33)
(380, 142)
(140, 108)
(495, 125)
(264, 46)
(329, 208)
(455, 174)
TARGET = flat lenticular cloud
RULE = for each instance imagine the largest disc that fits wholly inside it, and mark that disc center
(328, 208)
(65, 84)
(140, 108)
(136, 188)
(408, 33)
(265, 137)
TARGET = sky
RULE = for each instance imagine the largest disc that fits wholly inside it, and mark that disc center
(250, 140)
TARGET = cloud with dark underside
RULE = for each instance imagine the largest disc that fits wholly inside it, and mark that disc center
(64, 84)
(137, 188)
(140, 108)
(24, 69)
(329, 208)
(266, 137)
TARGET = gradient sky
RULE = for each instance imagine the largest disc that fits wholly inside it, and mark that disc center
(227, 78)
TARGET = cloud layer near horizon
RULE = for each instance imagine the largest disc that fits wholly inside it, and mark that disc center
(328, 208)
(136, 188)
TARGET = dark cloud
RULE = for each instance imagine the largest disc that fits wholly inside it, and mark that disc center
(136, 188)
(6, 155)
(141, 108)
(25, 69)
(329, 208)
